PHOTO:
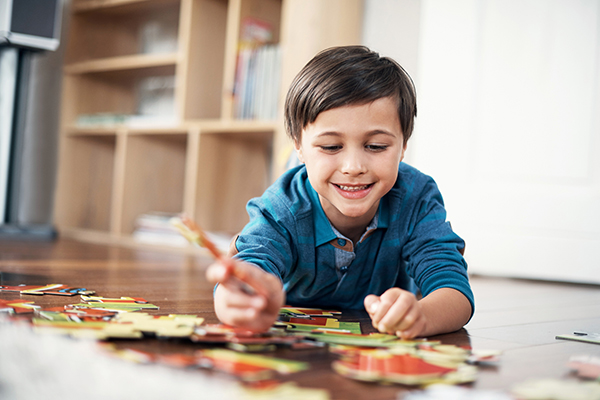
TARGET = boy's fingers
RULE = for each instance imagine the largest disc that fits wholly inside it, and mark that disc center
(237, 298)
(244, 276)
(386, 301)
(371, 303)
(248, 318)
(259, 280)
(402, 315)
(241, 316)
(216, 273)
(413, 331)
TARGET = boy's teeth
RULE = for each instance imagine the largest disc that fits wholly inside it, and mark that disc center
(353, 188)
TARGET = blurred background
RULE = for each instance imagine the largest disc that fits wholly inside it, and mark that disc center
(508, 125)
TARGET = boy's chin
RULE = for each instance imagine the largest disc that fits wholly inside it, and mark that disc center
(342, 209)
(354, 212)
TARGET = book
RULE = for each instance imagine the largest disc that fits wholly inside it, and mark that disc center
(155, 227)
(257, 82)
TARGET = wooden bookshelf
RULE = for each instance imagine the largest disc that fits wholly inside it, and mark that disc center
(200, 160)
(123, 63)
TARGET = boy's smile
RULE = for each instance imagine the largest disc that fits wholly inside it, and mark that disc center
(352, 155)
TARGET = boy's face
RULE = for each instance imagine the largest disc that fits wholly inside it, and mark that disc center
(352, 155)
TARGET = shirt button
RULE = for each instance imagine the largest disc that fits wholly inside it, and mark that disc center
(344, 269)
(341, 242)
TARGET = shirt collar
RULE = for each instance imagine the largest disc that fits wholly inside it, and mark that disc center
(323, 230)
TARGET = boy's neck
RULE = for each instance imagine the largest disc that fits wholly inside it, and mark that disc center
(352, 228)
(354, 234)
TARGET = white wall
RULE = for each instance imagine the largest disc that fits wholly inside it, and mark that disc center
(391, 27)
(508, 125)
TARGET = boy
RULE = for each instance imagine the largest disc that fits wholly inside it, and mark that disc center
(353, 225)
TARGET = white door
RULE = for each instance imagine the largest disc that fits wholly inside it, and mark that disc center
(509, 126)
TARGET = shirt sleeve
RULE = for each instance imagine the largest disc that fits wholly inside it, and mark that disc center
(433, 252)
(265, 241)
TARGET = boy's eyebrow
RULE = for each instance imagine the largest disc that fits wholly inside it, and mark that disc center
(381, 132)
(328, 133)
(369, 134)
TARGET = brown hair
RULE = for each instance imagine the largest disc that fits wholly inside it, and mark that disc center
(348, 75)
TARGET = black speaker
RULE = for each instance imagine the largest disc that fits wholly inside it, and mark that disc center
(32, 24)
(30, 80)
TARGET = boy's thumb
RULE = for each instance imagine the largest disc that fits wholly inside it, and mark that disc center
(371, 303)
(216, 273)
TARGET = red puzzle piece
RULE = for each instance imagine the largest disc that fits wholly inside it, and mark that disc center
(17, 306)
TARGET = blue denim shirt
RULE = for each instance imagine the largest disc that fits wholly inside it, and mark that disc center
(409, 239)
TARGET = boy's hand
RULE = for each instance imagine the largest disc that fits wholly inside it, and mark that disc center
(246, 297)
(396, 312)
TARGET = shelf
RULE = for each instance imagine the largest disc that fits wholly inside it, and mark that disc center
(112, 94)
(91, 131)
(82, 6)
(210, 126)
(154, 176)
(148, 108)
(88, 169)
(232, 126)
(232, 168)
(139, 27)
(123, 63)
(124, 129)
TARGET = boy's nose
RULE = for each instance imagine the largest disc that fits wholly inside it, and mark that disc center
(353, 163)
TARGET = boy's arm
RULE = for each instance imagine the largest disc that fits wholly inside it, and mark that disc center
(398, 312)
(434, 259)
(446, 310)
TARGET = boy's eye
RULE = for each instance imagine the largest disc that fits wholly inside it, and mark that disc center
(331, 149)
(377, 147)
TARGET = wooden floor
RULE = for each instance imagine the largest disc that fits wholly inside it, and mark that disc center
(519, 317)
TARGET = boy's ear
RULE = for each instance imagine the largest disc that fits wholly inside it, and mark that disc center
(403, 151)
(299, 151)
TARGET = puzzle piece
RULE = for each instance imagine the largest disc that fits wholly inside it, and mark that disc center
(287, 390)
(219, 333)
(321, 324)
(69, 291)
(223, 330)
(57, 314)
(556, 389)
(116, 307)
(370, 340)
(126, 325)
(122, 304)
(53, 315)
(484, 356)
(416, 362)
(586, 366)
(247, 366)
(403, 367)
(99, 330)
(582, 337)
(123, 300)
(17, 288)
(54, 288)
(17, 306)
(86, 312)
(162, 326)
(297, 319)
(251, 347)
(313, 312)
